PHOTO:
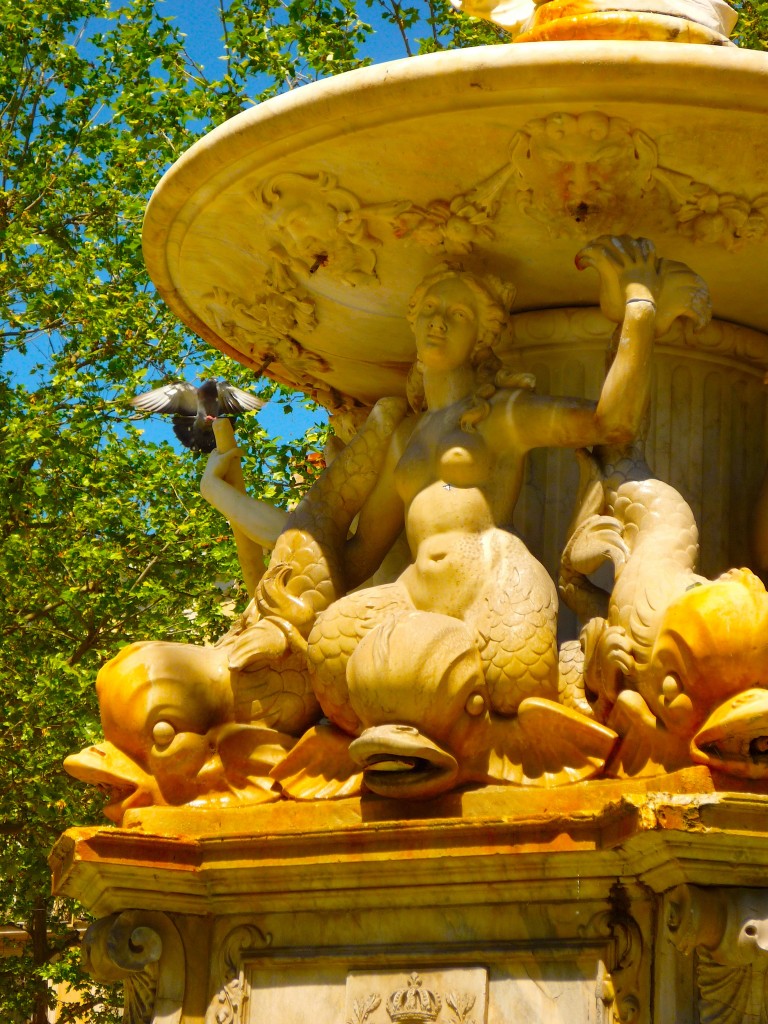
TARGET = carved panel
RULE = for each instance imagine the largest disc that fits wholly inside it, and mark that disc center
(587, 173)
(450, 996)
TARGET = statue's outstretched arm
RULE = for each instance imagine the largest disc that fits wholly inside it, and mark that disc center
(644, 294)
(254, 524)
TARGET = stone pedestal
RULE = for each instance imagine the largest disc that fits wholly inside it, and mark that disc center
(624, 901)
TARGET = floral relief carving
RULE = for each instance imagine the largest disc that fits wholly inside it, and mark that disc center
(265, 319)
(363, 1008)
(263, 327)
(229, 974)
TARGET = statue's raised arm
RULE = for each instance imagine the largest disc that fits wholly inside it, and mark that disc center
(642, 292)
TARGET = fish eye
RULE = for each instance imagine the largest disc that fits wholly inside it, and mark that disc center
(671, 687)
(475, 704)
(163, 733)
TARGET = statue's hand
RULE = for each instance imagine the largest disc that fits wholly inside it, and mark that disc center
(683, 293)
(629, 271)
(217, 467)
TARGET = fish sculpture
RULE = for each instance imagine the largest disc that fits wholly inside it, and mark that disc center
(676, 663)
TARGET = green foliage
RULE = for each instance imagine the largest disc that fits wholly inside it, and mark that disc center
(752, 27)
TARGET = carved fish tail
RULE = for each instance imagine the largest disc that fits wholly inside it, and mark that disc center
(311, 547)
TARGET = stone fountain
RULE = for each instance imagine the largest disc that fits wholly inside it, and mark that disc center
(411, 785)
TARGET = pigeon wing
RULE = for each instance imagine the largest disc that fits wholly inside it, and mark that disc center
(233, 400)
(179, 398)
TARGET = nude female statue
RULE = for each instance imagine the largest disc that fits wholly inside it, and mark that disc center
(450, 473)
(448, 674)
(453, 474)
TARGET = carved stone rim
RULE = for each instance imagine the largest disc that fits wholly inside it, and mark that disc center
(568, 326)
(510, 83)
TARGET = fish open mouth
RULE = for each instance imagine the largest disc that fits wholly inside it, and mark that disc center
(123, 782)
(399, 761)
(734, 738)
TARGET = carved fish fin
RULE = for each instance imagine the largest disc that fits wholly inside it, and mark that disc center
(549, 745)
(645, 747)
(319, 767)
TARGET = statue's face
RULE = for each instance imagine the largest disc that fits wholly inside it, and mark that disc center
(446, 325)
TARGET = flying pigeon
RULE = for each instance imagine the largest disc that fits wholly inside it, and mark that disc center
(194, 409)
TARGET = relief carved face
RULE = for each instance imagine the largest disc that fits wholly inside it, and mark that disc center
(587, 168)
(313, 225)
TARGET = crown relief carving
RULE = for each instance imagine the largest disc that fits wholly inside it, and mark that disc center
(415, 1003)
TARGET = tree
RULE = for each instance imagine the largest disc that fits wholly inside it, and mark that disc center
(104, 536)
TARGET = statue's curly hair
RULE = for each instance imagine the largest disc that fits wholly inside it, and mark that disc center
(494, 301)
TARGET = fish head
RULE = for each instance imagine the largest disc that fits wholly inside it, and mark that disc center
(161, 705)
(712, 645)
(416, 683)
(734, 738)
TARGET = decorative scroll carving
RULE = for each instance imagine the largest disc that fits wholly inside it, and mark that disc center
(278, 312)
(143, 950)
(265, 326)
(229, 975)
(728, 931)
(586, 173)
(619, 981)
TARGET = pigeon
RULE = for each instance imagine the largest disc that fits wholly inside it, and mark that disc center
(194, 409)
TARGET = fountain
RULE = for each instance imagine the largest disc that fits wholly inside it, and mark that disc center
(430, 791)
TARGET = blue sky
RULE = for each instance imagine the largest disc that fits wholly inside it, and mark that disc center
(199, 19)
